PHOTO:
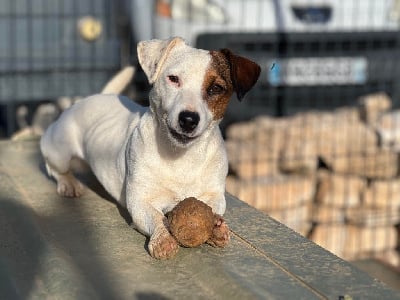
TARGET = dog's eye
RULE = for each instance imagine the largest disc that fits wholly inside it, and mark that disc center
(215, 89)
(173, 79)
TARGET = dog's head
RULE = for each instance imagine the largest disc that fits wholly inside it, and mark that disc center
(192, 87)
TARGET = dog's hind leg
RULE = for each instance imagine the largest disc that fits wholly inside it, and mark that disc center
(58, 165)
(67, 184)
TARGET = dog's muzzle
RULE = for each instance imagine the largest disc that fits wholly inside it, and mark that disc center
(188, 121)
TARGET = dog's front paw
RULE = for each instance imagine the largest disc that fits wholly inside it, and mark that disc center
(220, 235)
(162, 245)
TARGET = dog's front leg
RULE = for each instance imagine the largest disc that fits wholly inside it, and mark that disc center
(162, 244)
(152, 223)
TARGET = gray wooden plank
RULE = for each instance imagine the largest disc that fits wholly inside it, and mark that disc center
(313, 265)
(102, 255)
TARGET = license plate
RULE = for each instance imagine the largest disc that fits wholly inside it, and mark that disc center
(318, 71)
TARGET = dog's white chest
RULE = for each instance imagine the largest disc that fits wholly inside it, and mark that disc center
(171, 177)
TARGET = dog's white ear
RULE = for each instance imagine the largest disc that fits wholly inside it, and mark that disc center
(152, 55)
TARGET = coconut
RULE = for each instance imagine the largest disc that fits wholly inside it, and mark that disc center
(191, 222)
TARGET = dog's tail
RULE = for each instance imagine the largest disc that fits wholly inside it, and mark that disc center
(120, 81)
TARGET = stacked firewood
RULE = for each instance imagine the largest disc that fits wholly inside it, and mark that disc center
(331, 176)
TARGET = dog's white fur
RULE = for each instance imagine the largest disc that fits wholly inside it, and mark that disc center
(142, 156)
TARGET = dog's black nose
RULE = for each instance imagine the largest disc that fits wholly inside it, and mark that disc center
(188, 120)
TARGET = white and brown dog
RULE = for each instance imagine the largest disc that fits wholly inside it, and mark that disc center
(149, 159)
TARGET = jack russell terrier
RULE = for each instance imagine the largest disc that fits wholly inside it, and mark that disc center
(149, 159)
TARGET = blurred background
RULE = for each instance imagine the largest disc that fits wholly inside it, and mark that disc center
(315, 144)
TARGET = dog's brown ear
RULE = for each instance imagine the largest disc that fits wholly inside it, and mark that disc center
(244, 72)
(152, 55)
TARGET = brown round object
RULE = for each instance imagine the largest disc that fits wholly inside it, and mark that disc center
(191, 222)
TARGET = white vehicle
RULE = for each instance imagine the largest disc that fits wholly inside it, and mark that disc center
(189, 18)
(308, 49)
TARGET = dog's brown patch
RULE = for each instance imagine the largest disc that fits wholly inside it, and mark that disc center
(217, 86)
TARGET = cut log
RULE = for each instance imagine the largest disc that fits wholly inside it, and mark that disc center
(324, 214)
(330, 237)
(273, 193)
(339, 191)
(373, 217)
(378, 164)
(298, 156)
(388, 129)
(251, 161)
(383, 194)
(361, 240)
(346, 140)
(297, 218)
(374, 105)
